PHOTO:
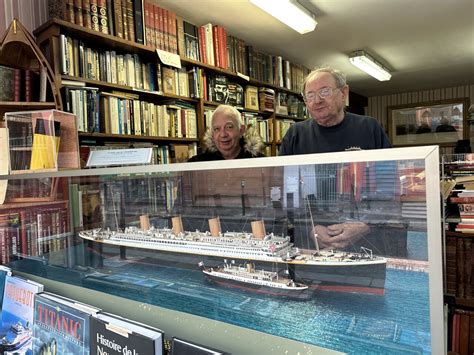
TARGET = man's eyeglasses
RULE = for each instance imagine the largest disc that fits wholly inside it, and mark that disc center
(324, 93)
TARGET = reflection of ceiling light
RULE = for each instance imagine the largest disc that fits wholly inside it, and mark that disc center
(290, 12)
(365, 62)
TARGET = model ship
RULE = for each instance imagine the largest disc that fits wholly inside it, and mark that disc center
(16, 337)
(325, 269)
(262, 281)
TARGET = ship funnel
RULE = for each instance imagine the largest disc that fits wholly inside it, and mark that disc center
(177, 225)
(258, 229)
(215, 226)
(250, 267)
(144, 222)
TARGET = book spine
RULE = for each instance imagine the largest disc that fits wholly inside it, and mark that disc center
(17, 85)
(110, 17)
(202, 45)
(215, 38)
(95, 25)
(118, 19)
(161, 43)
(78, 19)
(123, 5)
(180, 34)
(28, 85)
(103, 22)
(130, 21)
(138, 18)
(86, 14)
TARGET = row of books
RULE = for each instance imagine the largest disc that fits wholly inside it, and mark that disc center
(121, 18)
(39, 322)
(212, 45)
(123, 113)
(209, 44)
(459, 267)
(129, 70)
(462, 332)
(80, 60)
(39, 231)
(21, 85)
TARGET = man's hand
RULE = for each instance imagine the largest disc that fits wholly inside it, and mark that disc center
(339, 236)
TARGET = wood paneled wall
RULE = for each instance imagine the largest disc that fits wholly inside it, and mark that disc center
(31, 13)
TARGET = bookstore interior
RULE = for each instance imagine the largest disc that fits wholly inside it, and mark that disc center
(111, 242)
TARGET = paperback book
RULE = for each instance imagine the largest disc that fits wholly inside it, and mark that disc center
(61, 325)
(17, 315)
(112, 334)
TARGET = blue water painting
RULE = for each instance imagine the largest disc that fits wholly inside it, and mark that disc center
(395, 323)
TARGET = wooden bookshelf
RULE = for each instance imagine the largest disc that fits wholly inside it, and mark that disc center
(48, 37)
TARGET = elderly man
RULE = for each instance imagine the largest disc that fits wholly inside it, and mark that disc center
(325, 92)
(332, 129)
(227, 138)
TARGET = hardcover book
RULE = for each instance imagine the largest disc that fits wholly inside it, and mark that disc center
(251, 97)
(7, 87)
(219, 89)
(61, 325)
(112, 334)
(4, 272)
(236, 95)
(17, 315)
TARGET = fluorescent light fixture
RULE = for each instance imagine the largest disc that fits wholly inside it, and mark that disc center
(290, 12)
(365, 62)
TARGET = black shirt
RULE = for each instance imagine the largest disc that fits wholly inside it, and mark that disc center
(355, 131)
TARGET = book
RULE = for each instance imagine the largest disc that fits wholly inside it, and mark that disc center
(112, 334)
(251, 97)
(169, 80)
(4, 272)
(219, 89)
(7, 86)
(62, 324)
(17, 314)
(462, 200)
(139, 25)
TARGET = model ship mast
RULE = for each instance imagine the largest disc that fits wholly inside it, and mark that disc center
(312, 225)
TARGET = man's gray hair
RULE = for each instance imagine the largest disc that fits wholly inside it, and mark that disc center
(230, 111)
(338, 75)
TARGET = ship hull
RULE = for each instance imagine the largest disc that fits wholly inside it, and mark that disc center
(265, 290)
(365, 278)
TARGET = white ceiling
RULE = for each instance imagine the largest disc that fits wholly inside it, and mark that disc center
(428, 44)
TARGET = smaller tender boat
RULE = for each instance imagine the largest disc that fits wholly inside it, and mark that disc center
(261, 281)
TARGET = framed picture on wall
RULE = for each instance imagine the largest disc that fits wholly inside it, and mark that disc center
(437, 122)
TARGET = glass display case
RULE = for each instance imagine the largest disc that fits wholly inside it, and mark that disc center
(340, 251)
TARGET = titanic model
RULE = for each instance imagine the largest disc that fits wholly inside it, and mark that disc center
(323, 269)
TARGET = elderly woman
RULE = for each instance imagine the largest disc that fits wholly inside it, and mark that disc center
(227, 138)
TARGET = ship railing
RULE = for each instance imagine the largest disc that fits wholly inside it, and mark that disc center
(366, 252)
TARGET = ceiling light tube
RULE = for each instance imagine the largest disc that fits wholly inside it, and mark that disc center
(290, 12)
(365, 62)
